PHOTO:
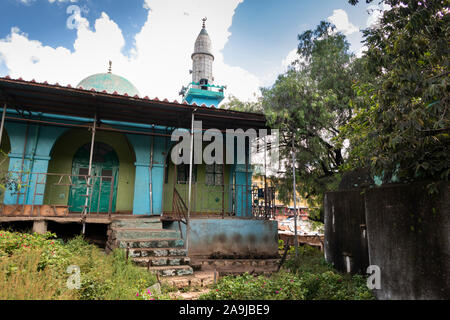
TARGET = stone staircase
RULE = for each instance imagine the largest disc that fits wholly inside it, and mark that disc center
(149, 245)
(226, 267)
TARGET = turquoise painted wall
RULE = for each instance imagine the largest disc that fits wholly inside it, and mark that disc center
(207, 97)
(133, 195)
(36, 151)
(143, 146)
(5, 148)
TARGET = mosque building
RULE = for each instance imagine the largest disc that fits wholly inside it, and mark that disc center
(99, 153)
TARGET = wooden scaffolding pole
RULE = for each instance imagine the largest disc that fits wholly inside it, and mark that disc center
(2, 125)
(89, 181)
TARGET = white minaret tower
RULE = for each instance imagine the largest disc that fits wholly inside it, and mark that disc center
(202, 58)
(202, 90)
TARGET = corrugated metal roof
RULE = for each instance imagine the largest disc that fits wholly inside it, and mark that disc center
(43, 97)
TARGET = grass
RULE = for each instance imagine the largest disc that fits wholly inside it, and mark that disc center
(21, 279)
(34, 267)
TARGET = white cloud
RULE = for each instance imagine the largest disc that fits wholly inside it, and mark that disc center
(340, 19)
(160, 61)
(375, 13)
(285, 64)
(290, 58)
(360, 51)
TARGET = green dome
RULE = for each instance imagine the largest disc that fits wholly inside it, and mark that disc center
(109, 82)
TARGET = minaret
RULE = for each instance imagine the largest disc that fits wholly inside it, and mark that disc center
(202, 89)
(202, 58)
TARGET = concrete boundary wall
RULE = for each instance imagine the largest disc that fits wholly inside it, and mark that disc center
(232, 238)
(345, 231)
(408, 237)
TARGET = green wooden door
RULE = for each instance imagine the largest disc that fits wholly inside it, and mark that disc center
(105, 169)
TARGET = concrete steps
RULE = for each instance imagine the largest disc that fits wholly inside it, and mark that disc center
(154, 223)
(198, 279)
(151, 243)
(170, 271)
(236, 266)
(149, 246)
(162, 261)
(157, 252)
(143, 233)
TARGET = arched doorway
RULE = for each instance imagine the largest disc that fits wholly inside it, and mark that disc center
(58, 192)
(105, 169)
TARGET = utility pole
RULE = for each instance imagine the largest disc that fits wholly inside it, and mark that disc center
(191, 160)
(295, 199)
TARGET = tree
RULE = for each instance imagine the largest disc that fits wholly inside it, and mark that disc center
(308, 104)
(401, 126)
(238, 105)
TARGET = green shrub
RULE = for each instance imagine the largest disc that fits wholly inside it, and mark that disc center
(309, 277)
(247, 287)
(103, 277)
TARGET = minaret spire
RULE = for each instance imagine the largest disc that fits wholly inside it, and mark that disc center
(204, 22)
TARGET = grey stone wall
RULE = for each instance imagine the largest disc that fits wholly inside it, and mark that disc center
(345, 231)
(408, 237)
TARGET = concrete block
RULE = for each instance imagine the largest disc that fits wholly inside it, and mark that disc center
(40, 227)
(174, 262)
(159, 261)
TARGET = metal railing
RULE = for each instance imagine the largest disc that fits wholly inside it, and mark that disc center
(26, 193)
(221, 200)
(205, 199)
(263, 201)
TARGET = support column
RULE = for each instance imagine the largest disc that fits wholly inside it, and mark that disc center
(36, 190)
(142, 149)
(243, 196)
(40, 226)
(141, 202)
(15, 165)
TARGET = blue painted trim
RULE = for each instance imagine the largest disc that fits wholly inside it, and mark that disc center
(28, 156)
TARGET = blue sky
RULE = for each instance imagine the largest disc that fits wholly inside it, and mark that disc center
(150, 41)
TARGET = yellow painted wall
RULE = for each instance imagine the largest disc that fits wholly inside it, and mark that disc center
(61, 162)
(259, 181)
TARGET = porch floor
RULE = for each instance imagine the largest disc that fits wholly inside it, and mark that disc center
(75, 217)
